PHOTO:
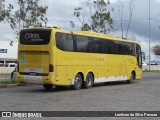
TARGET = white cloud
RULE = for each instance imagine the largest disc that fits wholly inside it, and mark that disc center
(158, 1)
(61, 9)
(115, 1)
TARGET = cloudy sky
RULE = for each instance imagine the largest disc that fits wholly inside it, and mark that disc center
(60, 12)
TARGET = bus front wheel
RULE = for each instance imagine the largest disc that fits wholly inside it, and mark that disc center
(132, 76)
(77, 82)
(89, 81)
(47, 86)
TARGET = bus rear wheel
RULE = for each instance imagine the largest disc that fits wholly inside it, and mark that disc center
(47, 86)
(89, 81)
(77, 82)
(132, 76)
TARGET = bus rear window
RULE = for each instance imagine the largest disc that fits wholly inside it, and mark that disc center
(35, 36)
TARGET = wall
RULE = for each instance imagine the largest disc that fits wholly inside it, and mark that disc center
(6, 70)
(152, 67)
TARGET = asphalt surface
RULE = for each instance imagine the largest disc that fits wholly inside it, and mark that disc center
(142, 95)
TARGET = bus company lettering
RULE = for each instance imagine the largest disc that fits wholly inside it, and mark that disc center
(32, 36)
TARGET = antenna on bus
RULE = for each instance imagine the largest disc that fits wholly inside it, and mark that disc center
(56, 27)
(124, 38)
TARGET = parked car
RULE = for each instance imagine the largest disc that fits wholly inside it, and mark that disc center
(12, 64)
(144, 63)
(154, 63)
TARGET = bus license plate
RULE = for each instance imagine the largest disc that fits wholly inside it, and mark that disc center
(33, 73)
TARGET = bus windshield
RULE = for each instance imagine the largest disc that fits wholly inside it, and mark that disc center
(35, 36)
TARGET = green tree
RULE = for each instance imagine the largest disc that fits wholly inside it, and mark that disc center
(28, 14)
(95, 18)
(5, 11)
(156, 50)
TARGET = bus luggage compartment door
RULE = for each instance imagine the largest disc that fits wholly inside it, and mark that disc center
(34, 63)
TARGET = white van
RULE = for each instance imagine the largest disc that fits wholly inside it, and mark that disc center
(12, 64)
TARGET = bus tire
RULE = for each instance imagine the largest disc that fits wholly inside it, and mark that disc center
(89, 81)
(77, 82)
(132, 76)
(47, 86)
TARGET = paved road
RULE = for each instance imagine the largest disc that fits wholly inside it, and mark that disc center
(143, 95)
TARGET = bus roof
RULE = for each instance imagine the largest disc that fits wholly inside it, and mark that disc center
(101, 35)
(86, 33)
(95, 34)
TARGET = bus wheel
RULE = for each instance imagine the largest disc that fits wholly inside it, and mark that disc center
(132, 76)
(77, 82)
(47, 86)
(89, 81)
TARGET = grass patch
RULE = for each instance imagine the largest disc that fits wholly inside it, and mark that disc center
(8, 82)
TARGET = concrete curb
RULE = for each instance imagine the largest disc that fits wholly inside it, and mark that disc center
(21, 84)
(11, 85)
(3, 86)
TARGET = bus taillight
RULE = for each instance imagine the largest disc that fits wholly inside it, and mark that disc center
(51, 68)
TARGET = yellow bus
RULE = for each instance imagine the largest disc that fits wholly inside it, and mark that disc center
(56, 57)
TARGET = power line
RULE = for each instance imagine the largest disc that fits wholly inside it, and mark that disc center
(126, 20)
(156, 20)
(132, 20)
(89, 21)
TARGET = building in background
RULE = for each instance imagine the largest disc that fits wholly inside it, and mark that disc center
(8, 62)
(8, 53)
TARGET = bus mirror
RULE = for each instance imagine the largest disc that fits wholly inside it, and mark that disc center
(143, 56)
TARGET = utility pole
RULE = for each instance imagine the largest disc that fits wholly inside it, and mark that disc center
(149, 35)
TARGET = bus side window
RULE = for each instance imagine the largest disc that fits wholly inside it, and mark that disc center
(82, 43)
(112, 47)
(59, 41)
(133, 50)
(130, 48)
(69, 43)
(139, 55)
(138, 49)
(116, 45)
(94, 47)
(120, 48)
(104, 46)
(64, 42)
